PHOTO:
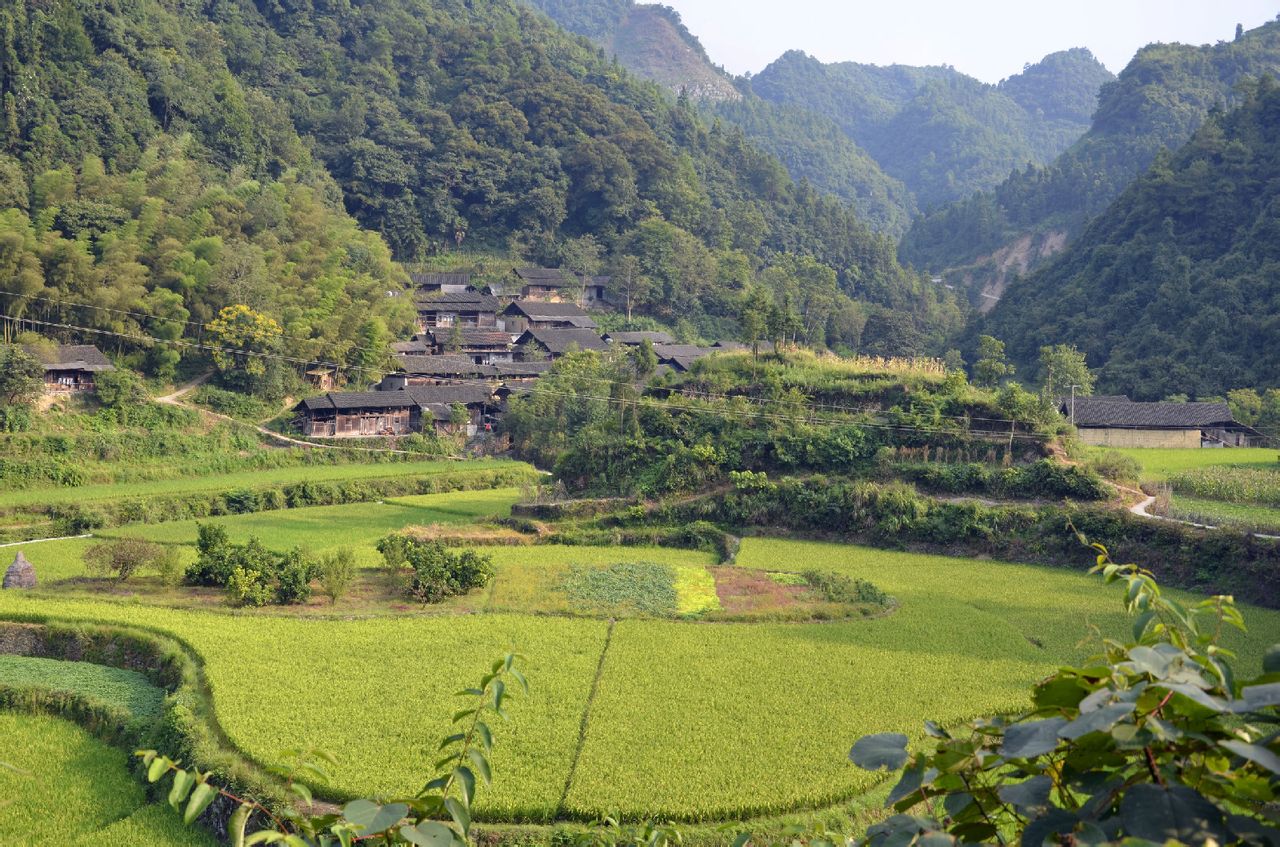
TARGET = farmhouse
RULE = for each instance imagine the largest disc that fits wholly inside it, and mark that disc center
(482, 346)
(70, 368)
(438, 406)
(357, 414)
(436, 283)
(534, 314)
(557, 285)
(463, 308)
(435, 370)
(538, 344)
(680, 357)
(1118, 422)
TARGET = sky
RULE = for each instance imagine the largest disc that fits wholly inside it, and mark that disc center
(987, 39)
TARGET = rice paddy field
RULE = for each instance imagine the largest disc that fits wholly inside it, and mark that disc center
(644, 716)
(71, 789)
(1158, 464)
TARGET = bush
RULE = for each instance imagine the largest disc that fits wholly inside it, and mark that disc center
(337, 572)
(247, 588)
(437, 571)
(125, 557)
(1115, 466)
(293, 578)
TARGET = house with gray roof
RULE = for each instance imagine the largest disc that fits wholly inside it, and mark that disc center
(70, 368)
(537, 314)
(1116, 421)
(541, 344)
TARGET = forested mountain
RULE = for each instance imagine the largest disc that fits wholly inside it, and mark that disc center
(1175, 288)
(177, 140)
(940, 132)
(1157, 102)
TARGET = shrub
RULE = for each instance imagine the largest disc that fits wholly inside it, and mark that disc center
(438, 572)
(337, 572)
(1115, 466)
(247, 588)
(293, 578)
(125, 557)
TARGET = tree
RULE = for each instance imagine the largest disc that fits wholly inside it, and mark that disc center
(581, 256)
(992, 365)
(21, 376)
(126, 556)
(337, 572)
(754, 319)
(628, 279)
(1063, 366)
(120, 388)
(1246, 405)
(242, 338)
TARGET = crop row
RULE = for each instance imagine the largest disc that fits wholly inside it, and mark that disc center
(690, 721)
(1259, 486)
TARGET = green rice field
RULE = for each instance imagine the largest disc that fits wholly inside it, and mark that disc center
(690, 721)
(1158, 464)
(1220, 513)
(76, 791)
(126, 689)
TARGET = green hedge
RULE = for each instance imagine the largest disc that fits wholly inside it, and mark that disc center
(1044, 480)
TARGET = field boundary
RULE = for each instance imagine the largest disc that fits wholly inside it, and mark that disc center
(585, 725)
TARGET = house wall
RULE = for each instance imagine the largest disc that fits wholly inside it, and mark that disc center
(1109, 437)
(65, 382)
(360, 424)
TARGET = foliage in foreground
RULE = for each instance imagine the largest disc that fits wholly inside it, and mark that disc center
(1153, 739)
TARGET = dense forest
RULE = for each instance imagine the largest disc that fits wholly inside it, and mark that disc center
(1174, 289)
(940, 132)
(434, 124)
(1157, 102)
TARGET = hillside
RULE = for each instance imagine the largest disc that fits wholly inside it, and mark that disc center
(1157, 102)
(416, 126)
(649, 40)
(1173, 289)
(940, 132)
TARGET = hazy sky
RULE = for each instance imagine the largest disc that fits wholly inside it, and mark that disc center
(988, 39)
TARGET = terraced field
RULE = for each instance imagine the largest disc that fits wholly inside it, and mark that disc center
(686, 720)
(1158, 464)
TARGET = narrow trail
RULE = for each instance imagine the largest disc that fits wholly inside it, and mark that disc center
(174, 399)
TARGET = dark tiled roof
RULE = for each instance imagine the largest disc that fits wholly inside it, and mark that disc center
(444, 366)
(472, 336)
(639, 338)
(540, 310)
(346, 401)
(472, 301)
(73, 357)
(411, 347)
(447, 395)
(1112, 412)
(555, 278)
(440, 279)
(558, 340)
(518, 369)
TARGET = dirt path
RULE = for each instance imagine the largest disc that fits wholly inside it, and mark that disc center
(173, 399)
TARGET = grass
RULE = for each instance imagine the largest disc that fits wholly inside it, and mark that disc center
(1158, 464)
(129, 690)
(689, 720)
(623, 588)
(1218, 513)
(1257, 486)
(77, 791)
(243, 479)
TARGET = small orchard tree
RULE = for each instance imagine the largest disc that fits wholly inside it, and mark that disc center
(337, 571)
(125, 557)
(120, 388)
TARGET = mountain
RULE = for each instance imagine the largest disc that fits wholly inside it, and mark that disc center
(1175, 287)
(649, 40)
(1157, 102)
(941, 133)
(236, 152)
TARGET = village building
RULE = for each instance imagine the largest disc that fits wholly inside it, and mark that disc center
(680, 357)
(440, 405)
(435, 370)
(441, 283)
(421, 345)
(535, 314)
(70, 368)
(482, 346)
(558, 285)
(1114, 421)
(541, 344)
(372, 414)
(521, 372)
(635, 339)
(464, 308)
(320, 377)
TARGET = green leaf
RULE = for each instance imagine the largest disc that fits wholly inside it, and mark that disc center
(1043, 829)
(303, 792)
(1028, 740)
(1261, 696)
(467, 780)
(1100, 720)
(486, 736)
(1032, 795)
(1271, 661)
(452, 739)
(1195, 695)
(1141, 623)
(461, 816)
(481, 766)
(372, 818)
(428, 834)
(157, 769)
(741, 839)
(912, 779)
(1258, 755)
(1159, 813)
(236, 824)
(886, 750)
(182, 782)
(201, 797)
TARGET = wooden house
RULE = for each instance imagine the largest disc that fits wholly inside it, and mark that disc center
(441, 283)
(465, 309)
(1118, 422)
(541, 344)
(680, 357)
(71, 368)
(436, 370)
(480, 345)
(635, 339)
(558, 285)
(358, 414)
(438, 406)
(320, 377)
(535, 314)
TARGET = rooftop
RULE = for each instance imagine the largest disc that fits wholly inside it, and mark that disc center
(559, 340)
(72, 357)
(1121, 412)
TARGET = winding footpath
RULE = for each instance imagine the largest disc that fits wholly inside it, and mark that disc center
(1143, 510)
